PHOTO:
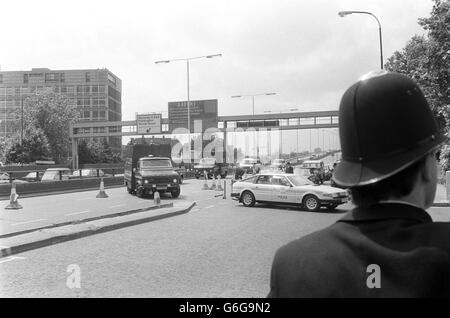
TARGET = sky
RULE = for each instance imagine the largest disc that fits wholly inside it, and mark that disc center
(301, 50)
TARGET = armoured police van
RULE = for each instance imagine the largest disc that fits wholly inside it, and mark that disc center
(149, 168)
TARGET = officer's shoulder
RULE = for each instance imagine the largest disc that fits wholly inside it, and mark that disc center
(314, 241)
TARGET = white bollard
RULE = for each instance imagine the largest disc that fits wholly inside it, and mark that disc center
(219, 184)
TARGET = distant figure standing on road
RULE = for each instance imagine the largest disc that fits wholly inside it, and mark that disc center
(288, 168)
(388, 246)
(255, 169)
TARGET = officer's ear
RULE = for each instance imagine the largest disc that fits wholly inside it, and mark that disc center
(429, 171)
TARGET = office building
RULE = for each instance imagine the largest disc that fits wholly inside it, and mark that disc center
(95, 92)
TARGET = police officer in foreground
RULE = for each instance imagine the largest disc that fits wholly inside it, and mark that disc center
(387, 246)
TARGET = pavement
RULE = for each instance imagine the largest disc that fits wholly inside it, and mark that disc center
(56, 218)
(440, 199)
(47, 220)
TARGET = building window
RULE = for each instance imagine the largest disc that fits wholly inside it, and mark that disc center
(62, 78)
(112, 80)
(94, 89)
(79, 89)
(25, 78)
(88, 77)
(79, 102)
(1, 78)
(101, 102)
(101, 88)
(51, 77)
(94, 102)
(95, 115)
(87, 101)
(87, 89)
(87, 115)
(102, 114)
(63, 89)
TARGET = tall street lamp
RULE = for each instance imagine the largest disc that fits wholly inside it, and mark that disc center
(187, 59)
(253, 98)
(344, 13)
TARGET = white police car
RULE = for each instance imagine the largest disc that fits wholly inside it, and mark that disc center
(287, 189)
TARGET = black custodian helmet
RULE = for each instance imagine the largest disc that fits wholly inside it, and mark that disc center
(385, 125)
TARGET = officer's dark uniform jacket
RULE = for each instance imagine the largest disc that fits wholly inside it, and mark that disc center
(412, 252)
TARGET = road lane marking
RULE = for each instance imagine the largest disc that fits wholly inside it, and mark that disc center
(11, 259)
(83, 199)
(77, 213)
(116, 206)
(32, 221)
(205, 199)
(195, 210)
(209, 207)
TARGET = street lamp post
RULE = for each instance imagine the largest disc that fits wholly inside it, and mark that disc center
(253, 107)
(344, 13)
(21, 122)
(188, 96)
(253, 98)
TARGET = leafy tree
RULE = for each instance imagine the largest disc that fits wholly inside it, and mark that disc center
(6, 143)
(97, 152)
(427, 60)
(34, 147)
(52, 113)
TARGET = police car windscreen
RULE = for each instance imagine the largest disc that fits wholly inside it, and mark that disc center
(299, 180)
(156, 163)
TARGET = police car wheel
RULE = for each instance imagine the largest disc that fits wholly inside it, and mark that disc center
(248, 199)
(311, 203)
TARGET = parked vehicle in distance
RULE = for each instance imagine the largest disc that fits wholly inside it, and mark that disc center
(4, 177)
(90, 172)
(55, 174)
(277, 164)
(211, 167)
(33, 176)
(287, 189)
(246, 166)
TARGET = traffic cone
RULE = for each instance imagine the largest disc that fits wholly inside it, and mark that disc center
(102, 193)
(156, 198)
(205, 183)
(219, 184)
(213, 183)
(13, 203)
